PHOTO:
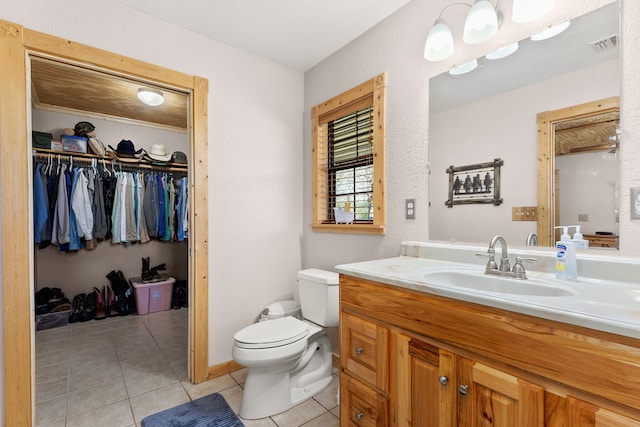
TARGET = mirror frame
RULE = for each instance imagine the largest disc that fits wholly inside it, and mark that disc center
(546, 122)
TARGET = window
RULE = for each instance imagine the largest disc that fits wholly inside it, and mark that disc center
(348, 160)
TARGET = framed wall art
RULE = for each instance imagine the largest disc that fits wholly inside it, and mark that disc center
(478, 183)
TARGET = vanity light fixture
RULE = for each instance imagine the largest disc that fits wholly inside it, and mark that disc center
(482, 23)
(551, 31)
(503, 52)
(464, 68)
(529, 10)
(151, 97)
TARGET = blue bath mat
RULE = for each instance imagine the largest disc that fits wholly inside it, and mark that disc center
(208, 411)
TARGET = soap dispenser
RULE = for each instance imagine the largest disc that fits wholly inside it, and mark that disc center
(566, 265)
(578, 238)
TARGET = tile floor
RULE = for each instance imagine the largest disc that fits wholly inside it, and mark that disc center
(115, 372)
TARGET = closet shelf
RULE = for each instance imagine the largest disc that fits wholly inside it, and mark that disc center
(142, 164)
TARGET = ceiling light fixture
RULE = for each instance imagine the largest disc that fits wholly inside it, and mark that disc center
(529, 10)
(151, 97)
(464, 68)
(503, 52)
(481, 23)
(551, 31)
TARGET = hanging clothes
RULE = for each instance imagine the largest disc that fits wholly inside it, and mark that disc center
(40, 205)
(60, 227)
(75, 207)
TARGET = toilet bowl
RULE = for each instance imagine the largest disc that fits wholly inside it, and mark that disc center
(289, 360)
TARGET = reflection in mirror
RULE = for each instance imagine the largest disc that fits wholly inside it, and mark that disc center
(491, 113)
(578, 169)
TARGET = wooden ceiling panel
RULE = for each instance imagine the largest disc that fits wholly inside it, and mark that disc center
(62, 86)
(586, 134)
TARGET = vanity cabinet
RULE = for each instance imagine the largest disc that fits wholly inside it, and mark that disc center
(364, 350)
(410, 358)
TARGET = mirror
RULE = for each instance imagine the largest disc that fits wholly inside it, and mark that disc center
(491, 113)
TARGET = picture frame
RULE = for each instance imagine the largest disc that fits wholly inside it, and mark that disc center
(477, 183)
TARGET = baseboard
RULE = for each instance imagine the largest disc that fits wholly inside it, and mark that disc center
(335, 360)
(223, 368)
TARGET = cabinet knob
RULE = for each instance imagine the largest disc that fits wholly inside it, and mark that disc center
(443, 380)
(359, 416)
(359, 350)
(463, 389)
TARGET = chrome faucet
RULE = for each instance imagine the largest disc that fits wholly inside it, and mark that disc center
(532, 239)
(504, 261)
(504, 268)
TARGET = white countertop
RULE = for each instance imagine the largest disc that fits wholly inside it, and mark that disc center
(595, 302)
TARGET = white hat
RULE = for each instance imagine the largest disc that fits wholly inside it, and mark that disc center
(159, 153)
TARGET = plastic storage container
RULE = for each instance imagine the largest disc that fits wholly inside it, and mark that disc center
(153, 296)
(52, 320)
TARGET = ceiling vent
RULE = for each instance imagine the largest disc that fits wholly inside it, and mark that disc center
(606, 43)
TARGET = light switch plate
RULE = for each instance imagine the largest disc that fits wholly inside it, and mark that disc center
(526, 213)
(635, 203)
(410, 208)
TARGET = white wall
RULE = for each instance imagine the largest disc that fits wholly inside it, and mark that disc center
(589, 185)
(396, 46)
(255, 132)
(493, 128)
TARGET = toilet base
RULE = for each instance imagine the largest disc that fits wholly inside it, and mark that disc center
(267, 393)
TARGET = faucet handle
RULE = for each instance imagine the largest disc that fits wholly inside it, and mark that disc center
(518, 268)
(491, 264)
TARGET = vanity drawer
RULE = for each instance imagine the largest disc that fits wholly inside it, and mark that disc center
(364, 350)
(361, 406)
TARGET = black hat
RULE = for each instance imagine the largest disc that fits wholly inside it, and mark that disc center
(83, 129)
(179, 157)
(126, 149)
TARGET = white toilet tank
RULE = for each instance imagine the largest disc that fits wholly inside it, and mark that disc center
(319, 296)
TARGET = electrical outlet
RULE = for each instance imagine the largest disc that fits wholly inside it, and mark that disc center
(583, 217)
(410, 208)
(635, 203)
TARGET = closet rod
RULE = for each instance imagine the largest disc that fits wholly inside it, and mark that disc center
(88, 158)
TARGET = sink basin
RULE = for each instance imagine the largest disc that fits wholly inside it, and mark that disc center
(479, 281)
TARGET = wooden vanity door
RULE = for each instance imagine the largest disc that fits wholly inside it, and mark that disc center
(491, 398)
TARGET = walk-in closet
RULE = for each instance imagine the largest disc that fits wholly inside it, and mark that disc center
(110, 290)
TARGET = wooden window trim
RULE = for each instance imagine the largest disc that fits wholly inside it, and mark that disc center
(371, 92)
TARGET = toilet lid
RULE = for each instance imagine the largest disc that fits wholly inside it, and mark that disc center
(272, 333)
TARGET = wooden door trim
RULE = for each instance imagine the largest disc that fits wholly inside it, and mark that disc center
(16, 43)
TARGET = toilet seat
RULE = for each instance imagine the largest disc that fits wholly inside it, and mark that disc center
(272, 333)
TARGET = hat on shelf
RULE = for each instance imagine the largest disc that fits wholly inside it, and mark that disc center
(179, 157)
(126, 151)
(85, 129)
(158, 153)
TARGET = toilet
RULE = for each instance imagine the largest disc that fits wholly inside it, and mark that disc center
(289, 360)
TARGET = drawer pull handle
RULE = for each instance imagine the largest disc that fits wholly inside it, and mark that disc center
(443, 380)
(359, 416)
(463, 389)
(359, 350)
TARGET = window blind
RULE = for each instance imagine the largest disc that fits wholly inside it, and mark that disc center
(350, 164)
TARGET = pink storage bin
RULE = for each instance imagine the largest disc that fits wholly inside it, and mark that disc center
(153, 296)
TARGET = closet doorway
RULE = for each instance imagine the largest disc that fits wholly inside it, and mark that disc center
(17, 48)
